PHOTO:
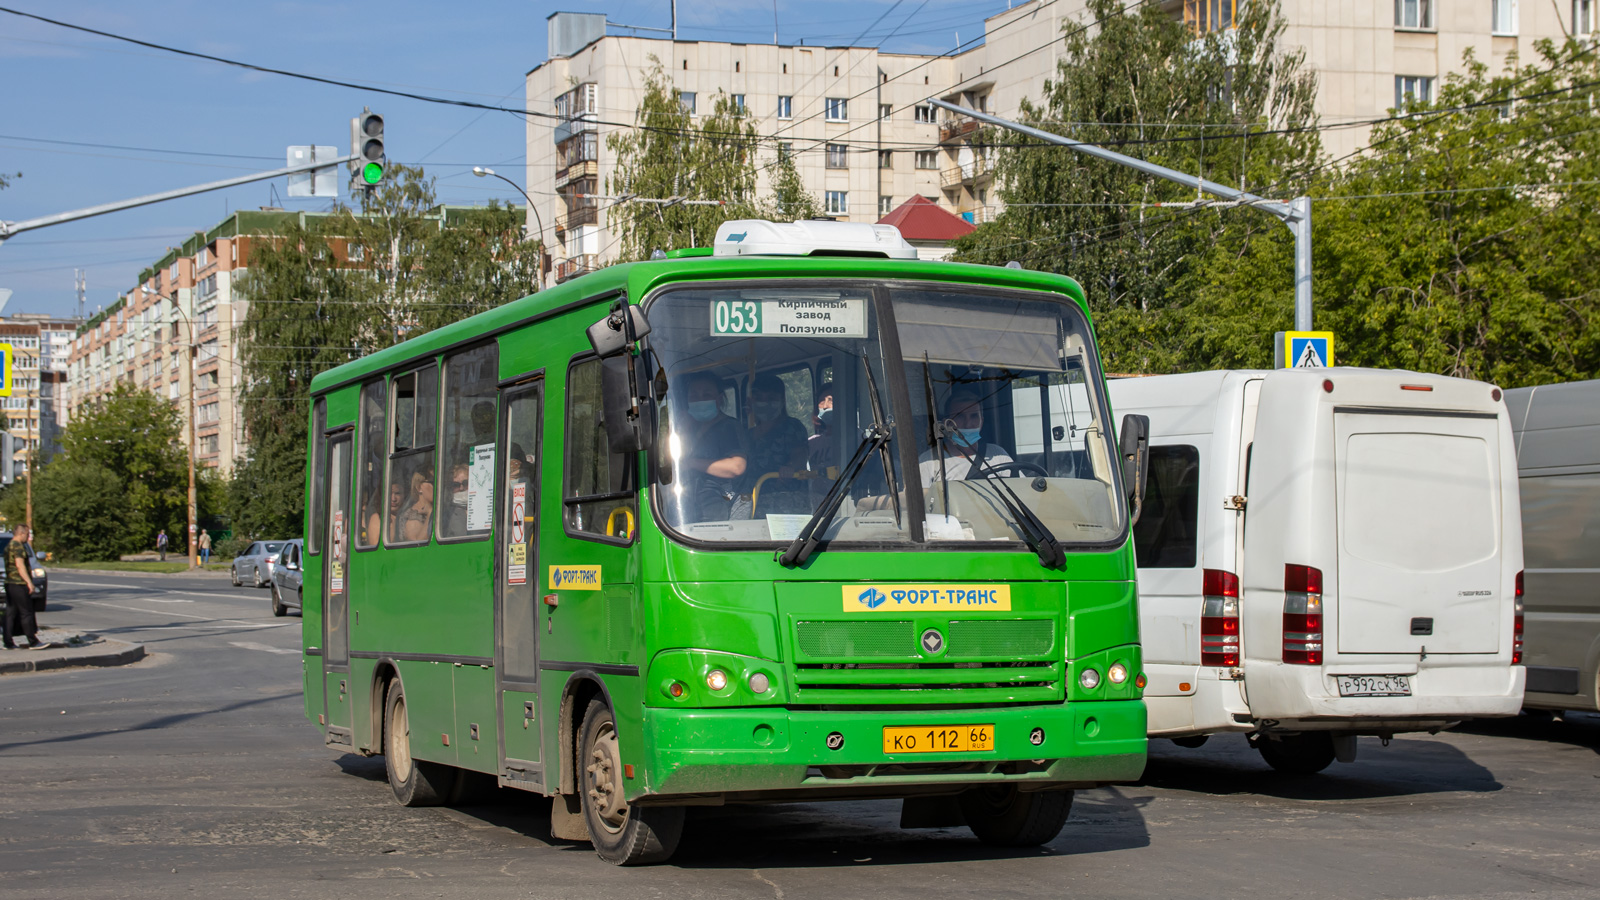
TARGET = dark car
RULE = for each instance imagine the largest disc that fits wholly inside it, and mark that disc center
(255, 563)
(286, 578)
(40, 578)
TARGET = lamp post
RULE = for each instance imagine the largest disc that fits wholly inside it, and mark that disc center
(194, 531)
(484, 172)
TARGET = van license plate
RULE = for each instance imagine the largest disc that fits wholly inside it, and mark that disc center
(938, 738)
(1374, 685)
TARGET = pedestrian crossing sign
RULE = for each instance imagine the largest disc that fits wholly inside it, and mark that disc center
(6, 359)
(1304, 350)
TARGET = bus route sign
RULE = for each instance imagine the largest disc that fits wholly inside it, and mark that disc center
(843, 317)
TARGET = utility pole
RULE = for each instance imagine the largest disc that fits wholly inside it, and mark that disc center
(1296, 214)
(27, 445)
(194, 531)
(82, 285)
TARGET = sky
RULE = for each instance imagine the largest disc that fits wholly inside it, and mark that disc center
(88, 120)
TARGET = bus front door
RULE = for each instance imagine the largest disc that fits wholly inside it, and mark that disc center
(518, 611)
(336, 596)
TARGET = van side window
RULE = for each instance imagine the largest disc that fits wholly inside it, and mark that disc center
(599, 495)
(1164, 537)
(319, 477)
(369, 475)
(414, 412)
(466, 477)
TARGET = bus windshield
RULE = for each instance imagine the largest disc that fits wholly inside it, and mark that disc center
(990, 397)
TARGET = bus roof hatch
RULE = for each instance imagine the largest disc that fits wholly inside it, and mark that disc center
(758, 237)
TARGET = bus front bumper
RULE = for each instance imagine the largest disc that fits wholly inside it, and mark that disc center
(767, 750)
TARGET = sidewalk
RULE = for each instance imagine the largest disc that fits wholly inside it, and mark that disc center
(69, 649)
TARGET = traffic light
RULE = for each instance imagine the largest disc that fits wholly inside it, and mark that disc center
(366, 143)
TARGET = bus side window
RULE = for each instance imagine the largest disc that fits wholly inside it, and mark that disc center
(319, 476)
(466, 477)
(369, 475)
(414, 410)
(599, 494)
(1165, 535)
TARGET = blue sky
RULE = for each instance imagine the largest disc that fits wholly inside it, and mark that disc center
(69, 86)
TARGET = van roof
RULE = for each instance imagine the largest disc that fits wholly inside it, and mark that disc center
(1556, 425)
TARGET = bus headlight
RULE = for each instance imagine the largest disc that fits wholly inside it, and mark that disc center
(716, 679)
(1118, 673)
(1090, 679)
(759, 683)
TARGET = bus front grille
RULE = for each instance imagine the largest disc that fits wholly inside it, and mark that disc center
(885, 661)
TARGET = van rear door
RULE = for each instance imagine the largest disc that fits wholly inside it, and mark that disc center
(1419, 524)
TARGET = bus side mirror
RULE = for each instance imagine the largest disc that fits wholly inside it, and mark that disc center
(1134, 446)
(622, 326)
(626, 416)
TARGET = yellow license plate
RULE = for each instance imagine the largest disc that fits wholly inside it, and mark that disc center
(938, 738)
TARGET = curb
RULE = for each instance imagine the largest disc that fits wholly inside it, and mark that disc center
(120, 654)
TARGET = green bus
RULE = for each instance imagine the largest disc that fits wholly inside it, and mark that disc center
(797, 517)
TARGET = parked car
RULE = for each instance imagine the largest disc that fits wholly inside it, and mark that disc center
(286, 578)
(1324, 554)
(1558, 454)
(41, 579)
(255, 563)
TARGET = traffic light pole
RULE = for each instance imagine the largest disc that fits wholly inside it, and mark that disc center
(1296, 214)
(11, 229)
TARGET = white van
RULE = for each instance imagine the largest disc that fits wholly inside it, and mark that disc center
(1325, 553)
(1558, 458)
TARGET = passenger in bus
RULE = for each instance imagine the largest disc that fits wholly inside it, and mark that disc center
(416, 516)
(962, 427)
(777, 444)
(714, 457)
(397, 499)
(515, 464)
(455, 516)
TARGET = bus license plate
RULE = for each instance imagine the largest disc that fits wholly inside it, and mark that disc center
(938, 738)
(1374, 685)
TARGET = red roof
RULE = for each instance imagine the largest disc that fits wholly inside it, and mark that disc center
(920, 219)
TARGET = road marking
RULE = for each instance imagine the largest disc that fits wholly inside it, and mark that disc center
(139, 587)
(160, 600)
(266, 648)
(220, 622)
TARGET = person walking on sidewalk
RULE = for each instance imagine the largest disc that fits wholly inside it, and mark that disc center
(18, 580)
(161, 544)
(205, 547)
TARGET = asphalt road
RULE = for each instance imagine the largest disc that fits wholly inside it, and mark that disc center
(195, 773)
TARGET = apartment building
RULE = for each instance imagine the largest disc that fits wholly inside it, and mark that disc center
(26, 419)
(864, 143)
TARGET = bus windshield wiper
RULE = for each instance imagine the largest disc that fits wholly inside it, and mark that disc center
(804, 544)
(1035, 533)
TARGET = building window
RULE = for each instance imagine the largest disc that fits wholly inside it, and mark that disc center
(1210, 15)
(355, 252)
(885, 111)
(686, 100)
(836, 109)
(1504, 13)
(785, 149)
(785, 107)
(927, 159)
(738, 104)
(885, 159)
(924, 114)
(885, 204)
(1582, 17)
(1412, 89)
(1413, 13)
(838, 156)
(836, 203)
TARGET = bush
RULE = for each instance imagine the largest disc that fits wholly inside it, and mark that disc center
(228, 548)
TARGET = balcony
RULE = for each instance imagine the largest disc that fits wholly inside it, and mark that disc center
(977, 215)
(574, 266)
(585, 168)
(576, 125)
(583, 215)
(956, 176)
(956, 129)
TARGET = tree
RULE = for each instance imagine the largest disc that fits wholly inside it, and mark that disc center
(668, 155)
(1143, 83)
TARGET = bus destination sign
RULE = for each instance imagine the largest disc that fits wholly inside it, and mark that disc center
(795, 317)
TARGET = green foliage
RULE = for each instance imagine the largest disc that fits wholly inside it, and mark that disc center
(1463, 244)
(315, 304)
(709, 157)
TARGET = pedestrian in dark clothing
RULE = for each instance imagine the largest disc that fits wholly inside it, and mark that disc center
(161, 544)
(18, 580)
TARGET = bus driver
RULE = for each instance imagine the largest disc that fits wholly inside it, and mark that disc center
(962, 427)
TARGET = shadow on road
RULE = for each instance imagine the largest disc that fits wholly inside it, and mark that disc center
(1227, 765)
(1578, 729)
(153, 724)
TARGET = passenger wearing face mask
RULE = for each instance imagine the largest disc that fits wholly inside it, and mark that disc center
(963, 440)
(777, 443)
(713, 457)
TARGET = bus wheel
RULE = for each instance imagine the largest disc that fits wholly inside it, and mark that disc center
(278, 609)
(415, 783)
(1297, 754)
(622, 835)
(1001, 815)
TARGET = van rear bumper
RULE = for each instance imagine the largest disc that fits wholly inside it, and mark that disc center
(1215, 703)
(1289, 696)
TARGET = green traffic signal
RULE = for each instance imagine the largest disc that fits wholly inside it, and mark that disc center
(372, 173)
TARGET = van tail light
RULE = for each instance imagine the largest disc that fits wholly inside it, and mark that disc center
(1219, 619)
(1516, 630)
(1302, 615)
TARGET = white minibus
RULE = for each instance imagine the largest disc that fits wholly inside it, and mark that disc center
(1325, 553)
(1557, 429)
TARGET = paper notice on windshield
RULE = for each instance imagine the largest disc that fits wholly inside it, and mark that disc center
(785, 527)
(480, 487)
(846, 317)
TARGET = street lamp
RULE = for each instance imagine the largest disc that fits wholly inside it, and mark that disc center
(194, 531)
(482, 172)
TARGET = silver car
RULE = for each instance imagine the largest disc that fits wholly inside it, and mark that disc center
(255, 563)
(287, 593)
